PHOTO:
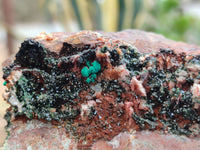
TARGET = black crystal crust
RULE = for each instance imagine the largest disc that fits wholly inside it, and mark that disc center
(31, 54)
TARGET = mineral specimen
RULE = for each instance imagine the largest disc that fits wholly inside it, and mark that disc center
(97, 85)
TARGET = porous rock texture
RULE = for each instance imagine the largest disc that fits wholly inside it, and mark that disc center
(97, 90)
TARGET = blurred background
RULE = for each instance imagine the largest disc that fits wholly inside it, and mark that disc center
(175, 19)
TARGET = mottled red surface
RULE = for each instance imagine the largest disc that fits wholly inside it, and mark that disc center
(146, 42)
(36, 135)
(147, 140)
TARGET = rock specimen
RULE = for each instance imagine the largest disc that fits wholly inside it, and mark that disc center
(94, 86)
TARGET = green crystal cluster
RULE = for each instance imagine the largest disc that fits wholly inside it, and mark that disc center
(90, 71)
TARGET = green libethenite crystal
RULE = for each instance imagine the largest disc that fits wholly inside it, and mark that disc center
(5, 82)
(90, 71)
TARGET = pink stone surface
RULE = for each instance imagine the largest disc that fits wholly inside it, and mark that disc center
(36, 135)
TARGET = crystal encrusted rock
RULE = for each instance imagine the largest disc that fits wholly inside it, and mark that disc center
(95, 85)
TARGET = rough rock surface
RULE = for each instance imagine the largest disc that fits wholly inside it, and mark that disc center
(82, 89)
(35, 135)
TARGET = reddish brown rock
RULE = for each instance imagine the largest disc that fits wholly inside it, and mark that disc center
(98, 90)
(35, 135)
(147, 140)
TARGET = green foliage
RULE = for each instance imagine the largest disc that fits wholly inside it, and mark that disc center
(165, 17)
(90, 71)
(181, 24)
(168, 18)
(167, 5)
